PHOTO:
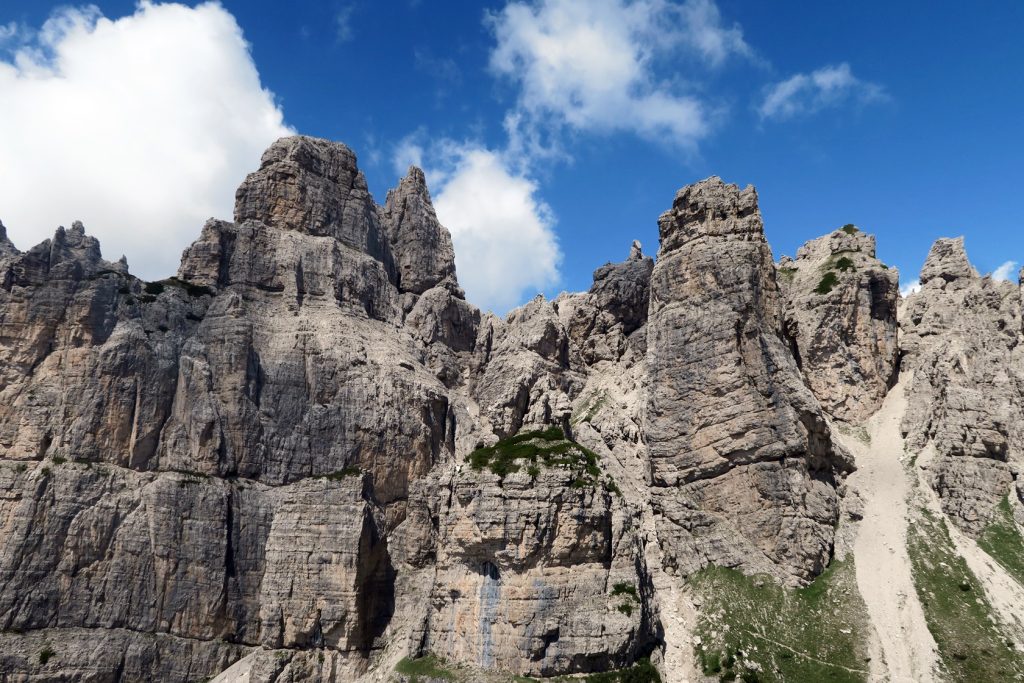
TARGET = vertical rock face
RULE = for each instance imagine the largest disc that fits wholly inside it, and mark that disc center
(308, 450)
(421, 246)
(314, 187)
(841, 313)
(741, 457)
(221, 455)
(525, 574)
(524, 372)
(963, 341)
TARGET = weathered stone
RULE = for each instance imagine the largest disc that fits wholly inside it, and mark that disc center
(526, 575)
(962, 339)
(601, 321)
(258, 467)
(314, 187)
(421, 246)
(742, 460)
(841, 314)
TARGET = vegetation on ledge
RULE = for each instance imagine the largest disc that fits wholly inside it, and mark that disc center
(547, 447)
(423, 669)
(828, 281)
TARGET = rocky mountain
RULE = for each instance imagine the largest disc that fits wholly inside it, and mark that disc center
(308, 457)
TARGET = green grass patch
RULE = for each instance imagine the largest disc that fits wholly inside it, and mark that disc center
(424, 668)
(338, 475)
(971, 646)
(625, 588)
(844, 264)
(1002, 540)
(850, 229)
(828, 281)
(753, 629)
(787, 273)
(46, 654)
(547, 447)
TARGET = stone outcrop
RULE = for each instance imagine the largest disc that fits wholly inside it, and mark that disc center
(841, 314)
(601, 322)
(742, 463)
(962, 338)
(421, 246)
(307, 455)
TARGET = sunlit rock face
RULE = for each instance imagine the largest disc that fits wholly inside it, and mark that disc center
(307, 456)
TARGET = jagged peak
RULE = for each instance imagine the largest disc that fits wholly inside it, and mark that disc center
(70, 253)
(421, 247)
(947, 261)
(636, 251)
(710, 207)
(313, 186)
(840, 241)
(7, 247)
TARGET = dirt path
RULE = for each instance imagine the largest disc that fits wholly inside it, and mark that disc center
(880, 550)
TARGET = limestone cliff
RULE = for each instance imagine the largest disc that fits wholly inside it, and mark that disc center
(307, 456)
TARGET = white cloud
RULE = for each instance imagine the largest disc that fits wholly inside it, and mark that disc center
(343, 24)
(829, 86)
(911, 287)
(503, 234)
(408, 152)
(142, 127)
(591, 65)
(9, 32)
(1007, 271)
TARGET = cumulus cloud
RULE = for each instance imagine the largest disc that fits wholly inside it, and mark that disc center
(1007, 271)
(909, 288)
(829, 86)
(580, 66)
(142, 127)
(591, 65)
(504, 239)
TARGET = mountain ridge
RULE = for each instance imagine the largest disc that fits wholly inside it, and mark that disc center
(309, 451)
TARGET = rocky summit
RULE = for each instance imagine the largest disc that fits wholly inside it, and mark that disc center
(307, 456)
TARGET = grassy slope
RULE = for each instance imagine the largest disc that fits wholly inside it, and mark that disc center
(752, 629)
(959, 616)
(1002, 540)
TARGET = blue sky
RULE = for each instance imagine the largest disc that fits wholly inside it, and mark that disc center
(904, 118)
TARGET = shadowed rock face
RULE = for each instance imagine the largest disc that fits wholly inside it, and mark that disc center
(266, 455)
(741, 458)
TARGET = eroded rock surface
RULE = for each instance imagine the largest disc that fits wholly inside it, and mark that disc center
(962, 338)
(841, 314)
(743, 466)
(279, 458)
